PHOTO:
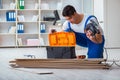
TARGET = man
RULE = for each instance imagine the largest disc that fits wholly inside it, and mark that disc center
(86, 36)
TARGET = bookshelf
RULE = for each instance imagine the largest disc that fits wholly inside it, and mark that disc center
(22, 22)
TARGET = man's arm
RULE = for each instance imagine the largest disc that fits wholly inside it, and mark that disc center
(94, 31)
(66, 27)
(97, 38)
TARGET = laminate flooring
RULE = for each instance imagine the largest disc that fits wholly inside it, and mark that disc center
(8, 73)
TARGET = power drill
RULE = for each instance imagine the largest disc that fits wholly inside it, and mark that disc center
(93, 27)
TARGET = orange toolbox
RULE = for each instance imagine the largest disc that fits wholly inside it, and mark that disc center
(62, 39)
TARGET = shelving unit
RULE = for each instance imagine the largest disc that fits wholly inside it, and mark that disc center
(29, 17)
(6, 39)
(32, 16)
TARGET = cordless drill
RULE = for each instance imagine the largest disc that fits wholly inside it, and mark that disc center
(93, 27)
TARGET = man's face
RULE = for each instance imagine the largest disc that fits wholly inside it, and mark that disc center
(71, 19)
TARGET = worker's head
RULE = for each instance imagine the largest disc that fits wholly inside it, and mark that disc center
(69, 13)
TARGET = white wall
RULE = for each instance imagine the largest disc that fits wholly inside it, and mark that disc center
(76, 3)
(98, 11)
(81, 6)
(107, 12)
(112, 22)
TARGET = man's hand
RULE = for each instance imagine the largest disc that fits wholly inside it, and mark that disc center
(97, 38)
(53, 31)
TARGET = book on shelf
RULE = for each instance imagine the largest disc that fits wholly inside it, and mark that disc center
(12, 29)
(19, 41)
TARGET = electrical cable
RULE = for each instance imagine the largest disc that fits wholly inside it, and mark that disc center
(92, 27)
(114, 62)
(106, 53)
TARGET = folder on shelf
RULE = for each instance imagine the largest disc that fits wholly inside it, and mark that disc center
(42, 28)
(10, 16)
(20, 28)
(7, 16)
(13, 16)
(21, 4)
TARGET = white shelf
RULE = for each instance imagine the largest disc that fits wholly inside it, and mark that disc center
(7, 22)
(7, 9)
(28, 22)
(49, 10)
(27, 9)
(25, 34)
(8, 34)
